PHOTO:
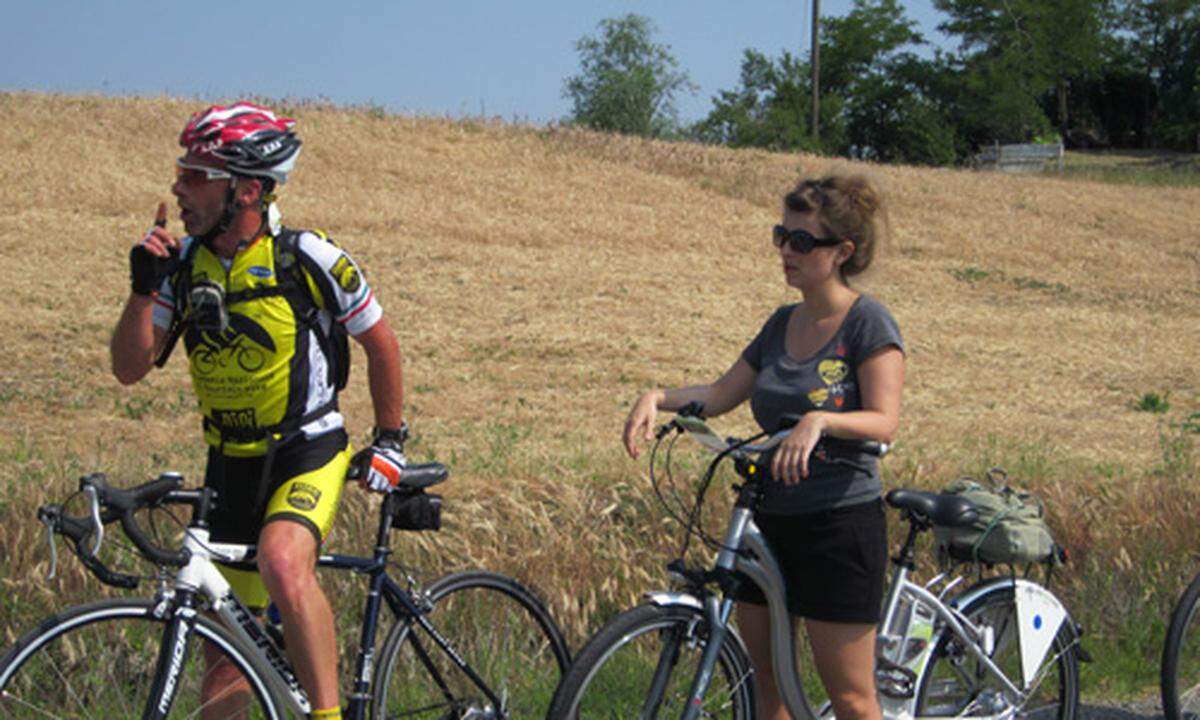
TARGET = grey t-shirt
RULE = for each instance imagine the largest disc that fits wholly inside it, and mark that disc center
(786, 388)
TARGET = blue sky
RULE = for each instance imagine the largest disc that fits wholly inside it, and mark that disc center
(453, 57)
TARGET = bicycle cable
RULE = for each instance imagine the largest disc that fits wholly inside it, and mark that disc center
(690, 518)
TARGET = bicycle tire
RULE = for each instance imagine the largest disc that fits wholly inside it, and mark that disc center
(613, 674)
(1181, 658)
(956, 684)
(503, 632)
(98, 661)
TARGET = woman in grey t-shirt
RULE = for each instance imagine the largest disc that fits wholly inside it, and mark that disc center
(833, 365)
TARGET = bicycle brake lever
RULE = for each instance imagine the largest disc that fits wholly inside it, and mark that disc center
(94, 499)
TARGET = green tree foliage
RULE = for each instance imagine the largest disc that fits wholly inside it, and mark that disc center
(893, 110)
(874, 99)
(1156, 48)
(1016, 53)
(769, 110)
(627, 83)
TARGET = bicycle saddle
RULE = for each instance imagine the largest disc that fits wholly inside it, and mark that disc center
(940, 509)
(418, 476)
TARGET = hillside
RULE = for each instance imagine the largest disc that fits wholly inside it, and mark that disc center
(539, 279)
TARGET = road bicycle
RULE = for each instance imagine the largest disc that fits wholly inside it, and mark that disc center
(470, 645)
(1180, 669)
(1003, 648)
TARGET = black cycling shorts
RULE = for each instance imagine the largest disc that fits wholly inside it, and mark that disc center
(304, 486)
(833, 562)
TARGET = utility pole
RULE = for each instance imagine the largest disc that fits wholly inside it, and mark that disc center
(816, 71)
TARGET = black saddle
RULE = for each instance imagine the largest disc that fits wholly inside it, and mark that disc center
(937, 508)
(418, 477)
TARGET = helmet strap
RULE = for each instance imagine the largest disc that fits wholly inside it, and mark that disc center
(228, 211)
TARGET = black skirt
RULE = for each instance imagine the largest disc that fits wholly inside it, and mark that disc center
(833, 562)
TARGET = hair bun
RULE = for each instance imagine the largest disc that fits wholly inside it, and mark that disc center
(863, 193)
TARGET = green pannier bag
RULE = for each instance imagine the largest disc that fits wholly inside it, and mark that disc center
(1011, 528)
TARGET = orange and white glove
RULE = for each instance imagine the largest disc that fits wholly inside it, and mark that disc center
(380, 465)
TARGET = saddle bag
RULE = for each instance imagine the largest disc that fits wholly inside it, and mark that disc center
(417, 511)
(1011, 528)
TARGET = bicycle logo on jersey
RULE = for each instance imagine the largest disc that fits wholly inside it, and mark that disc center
(245, 343)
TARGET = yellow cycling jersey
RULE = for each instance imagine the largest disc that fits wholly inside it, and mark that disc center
(270, 371)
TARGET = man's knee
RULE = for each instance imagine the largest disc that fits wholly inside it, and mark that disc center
(287, 557)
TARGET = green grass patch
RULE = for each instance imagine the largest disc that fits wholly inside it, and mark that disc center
(1146, 168)
(1152, 402)
(972, 275)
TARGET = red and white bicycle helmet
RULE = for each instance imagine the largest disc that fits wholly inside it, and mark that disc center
(243, 138)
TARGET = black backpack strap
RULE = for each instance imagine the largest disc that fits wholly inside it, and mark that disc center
(334, 342)
(180, 282)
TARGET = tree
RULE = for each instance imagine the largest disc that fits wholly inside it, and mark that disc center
(1157, 46)
(627, 83)
(875, 99)
(768, 110)
(892, 112)
(1016, 52)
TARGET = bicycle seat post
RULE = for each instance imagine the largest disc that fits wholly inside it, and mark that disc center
(907, 556)
(387, 510)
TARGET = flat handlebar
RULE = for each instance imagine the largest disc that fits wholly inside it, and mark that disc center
(700, 431)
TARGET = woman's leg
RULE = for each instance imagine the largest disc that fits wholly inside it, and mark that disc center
(754, 624)
(844, 654)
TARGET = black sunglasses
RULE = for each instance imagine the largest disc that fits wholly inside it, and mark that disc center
(801, 241)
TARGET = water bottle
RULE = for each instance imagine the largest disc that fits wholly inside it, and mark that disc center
(274, 625)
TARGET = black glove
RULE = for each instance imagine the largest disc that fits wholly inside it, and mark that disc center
(147, 271)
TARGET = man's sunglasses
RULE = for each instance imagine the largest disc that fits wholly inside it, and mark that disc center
(189, 172)
(801, 241)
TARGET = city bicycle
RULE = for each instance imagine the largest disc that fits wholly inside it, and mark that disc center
(470, 645)
(1180, 670)
(1003, 648)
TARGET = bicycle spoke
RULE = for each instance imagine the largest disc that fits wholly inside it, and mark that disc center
(99, 661)
(40, 712)
(644, 661)
(957, 684)
(495, 628)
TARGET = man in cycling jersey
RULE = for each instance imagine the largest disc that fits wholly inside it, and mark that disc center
(261, 310)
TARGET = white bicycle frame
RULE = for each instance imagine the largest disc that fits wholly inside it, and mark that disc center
(745, 550)
(201, 576)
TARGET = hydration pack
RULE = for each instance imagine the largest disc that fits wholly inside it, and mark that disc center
(290, 282)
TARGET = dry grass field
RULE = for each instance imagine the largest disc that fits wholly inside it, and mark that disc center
(538, 279)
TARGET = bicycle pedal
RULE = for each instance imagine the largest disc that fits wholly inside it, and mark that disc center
(895, 681)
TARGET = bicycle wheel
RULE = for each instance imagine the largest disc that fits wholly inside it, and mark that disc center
(98, 661)
(642, 663)
(1180, 673)
(957, 684)
(500, 629)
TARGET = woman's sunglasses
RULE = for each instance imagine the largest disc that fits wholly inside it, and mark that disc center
(801, 241)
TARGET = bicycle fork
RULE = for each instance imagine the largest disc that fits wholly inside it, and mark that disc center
(172, 658)
(716, 614)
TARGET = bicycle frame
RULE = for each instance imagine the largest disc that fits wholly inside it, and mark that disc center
(200, 576)
(745, 549)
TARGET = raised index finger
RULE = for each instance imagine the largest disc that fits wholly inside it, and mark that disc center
(160, 218)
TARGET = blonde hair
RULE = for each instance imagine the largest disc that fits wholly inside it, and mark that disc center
(848, 206)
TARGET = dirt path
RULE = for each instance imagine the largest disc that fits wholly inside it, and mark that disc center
(1131, 710)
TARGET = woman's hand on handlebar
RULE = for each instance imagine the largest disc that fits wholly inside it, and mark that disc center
(790, 462)
(640, 423)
